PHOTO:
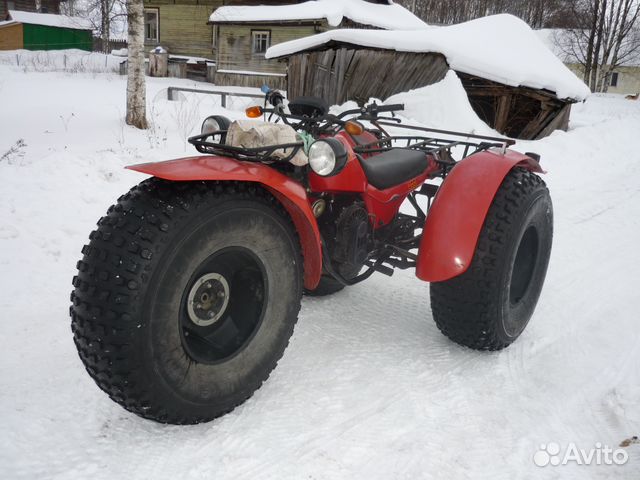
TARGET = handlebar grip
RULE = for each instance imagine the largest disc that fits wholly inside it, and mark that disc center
(390, 108)
(275, 98)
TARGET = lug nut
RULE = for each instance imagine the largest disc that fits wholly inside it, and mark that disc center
(220, 294)
(211, 314)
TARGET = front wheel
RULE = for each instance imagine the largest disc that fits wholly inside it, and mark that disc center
(490, 304)
(186, 298)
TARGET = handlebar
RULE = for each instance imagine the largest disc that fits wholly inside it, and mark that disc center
(369, 112)
(372, 110)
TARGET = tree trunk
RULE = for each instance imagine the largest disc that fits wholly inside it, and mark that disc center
(588, 65)
(104, 25)
(136, 95)
(597, 65)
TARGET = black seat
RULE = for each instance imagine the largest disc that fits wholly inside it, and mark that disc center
(393, 167)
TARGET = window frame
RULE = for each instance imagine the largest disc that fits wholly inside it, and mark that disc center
(254, 34)
(615, 79)
(157, 13)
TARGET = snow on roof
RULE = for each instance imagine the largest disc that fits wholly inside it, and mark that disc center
(50, 20)
(390, 16)
(501, 48)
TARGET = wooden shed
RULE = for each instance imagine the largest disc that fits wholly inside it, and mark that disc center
(340, 72)
(42, 31)
(514, 83)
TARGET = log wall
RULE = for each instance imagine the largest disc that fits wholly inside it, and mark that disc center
(342, 74)
(183, 28)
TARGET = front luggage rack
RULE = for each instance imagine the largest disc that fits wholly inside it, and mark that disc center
(257, 154)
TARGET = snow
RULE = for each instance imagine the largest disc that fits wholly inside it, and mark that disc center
(368, 387)
(444, 105)
(191, 60)
(51, 20)
(501, 48)
(252, 72)
(392, 16)
(69, 60)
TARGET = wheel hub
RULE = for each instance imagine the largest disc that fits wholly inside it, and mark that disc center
(208, 299)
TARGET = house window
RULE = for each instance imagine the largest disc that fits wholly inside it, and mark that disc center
(260, 41)
(614, 79)
(151, 25)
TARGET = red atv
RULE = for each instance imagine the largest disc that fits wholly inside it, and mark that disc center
(189, 289)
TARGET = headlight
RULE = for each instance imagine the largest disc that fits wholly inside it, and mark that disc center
(327, 156)
(215, 123)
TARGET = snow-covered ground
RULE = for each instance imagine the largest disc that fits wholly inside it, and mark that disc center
(368, 387)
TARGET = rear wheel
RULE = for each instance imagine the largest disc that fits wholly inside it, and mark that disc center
(489, 305)
(186, 298)
(327, 286)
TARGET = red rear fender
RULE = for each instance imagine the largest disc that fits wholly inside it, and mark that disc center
(290, 193)
(456, 217)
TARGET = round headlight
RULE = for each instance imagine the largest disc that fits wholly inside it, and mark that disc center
(210, 125)
(215, 124)
(322, 158)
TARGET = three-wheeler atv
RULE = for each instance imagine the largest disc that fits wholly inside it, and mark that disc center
(190, 287)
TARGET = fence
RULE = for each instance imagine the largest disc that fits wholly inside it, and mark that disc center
(223, 95)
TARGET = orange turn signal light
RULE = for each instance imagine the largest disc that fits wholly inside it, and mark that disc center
(254, 112)
(354, 128)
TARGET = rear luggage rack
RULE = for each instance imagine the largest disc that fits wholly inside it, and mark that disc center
(259, 154)
(424, 144)
(433, 145)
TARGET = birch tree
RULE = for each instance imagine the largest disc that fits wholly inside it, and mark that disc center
(136, 92)
(607, 35)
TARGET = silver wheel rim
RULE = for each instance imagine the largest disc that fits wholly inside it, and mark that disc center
(208, 299)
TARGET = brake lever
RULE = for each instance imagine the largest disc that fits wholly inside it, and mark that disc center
(392, 119)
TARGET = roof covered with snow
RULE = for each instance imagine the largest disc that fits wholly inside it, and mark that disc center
(50, 20)
(387, 16)
(501, 48)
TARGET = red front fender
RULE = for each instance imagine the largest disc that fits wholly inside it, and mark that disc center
(289, 192)
(456, 217)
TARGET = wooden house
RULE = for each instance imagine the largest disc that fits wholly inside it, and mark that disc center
(46, 6)
(180, 26)
(244, 30)
(44, 31)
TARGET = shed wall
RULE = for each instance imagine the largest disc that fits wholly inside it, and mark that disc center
(41, 37)
(342, 74)
(11, 37)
